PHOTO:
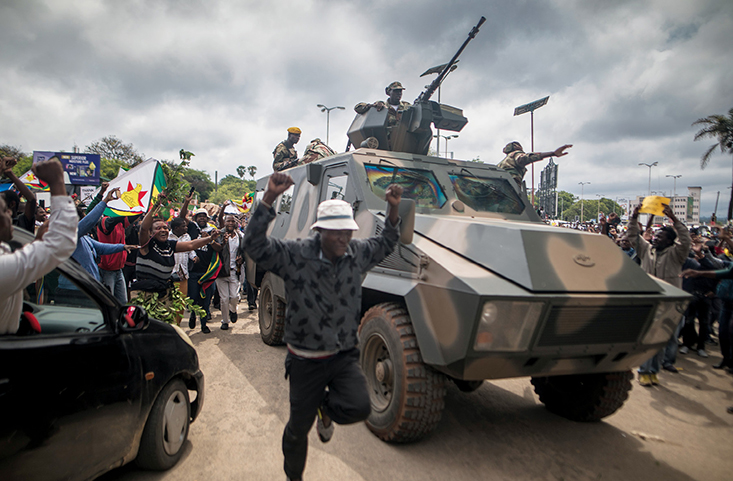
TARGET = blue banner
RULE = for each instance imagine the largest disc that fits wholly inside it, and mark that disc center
(79, 169)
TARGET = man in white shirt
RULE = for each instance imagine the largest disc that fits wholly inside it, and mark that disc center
(38, 258)
(227, 283)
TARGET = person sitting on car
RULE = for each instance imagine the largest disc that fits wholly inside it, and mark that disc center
(34, 260)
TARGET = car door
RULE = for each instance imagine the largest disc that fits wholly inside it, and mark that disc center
(69, 395)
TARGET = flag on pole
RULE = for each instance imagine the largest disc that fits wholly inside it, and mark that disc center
(138, 186)
(241, 207)
(30, 179)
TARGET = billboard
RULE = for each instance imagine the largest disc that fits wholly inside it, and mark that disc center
(79, 169)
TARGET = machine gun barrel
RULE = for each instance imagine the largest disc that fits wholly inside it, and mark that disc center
(425, 95)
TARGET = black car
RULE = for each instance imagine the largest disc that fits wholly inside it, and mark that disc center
(99, 386)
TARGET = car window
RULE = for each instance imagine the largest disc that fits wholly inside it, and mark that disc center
(60, 306)
(419, 185)
(486, 195)
(337, 187)
(286, 200)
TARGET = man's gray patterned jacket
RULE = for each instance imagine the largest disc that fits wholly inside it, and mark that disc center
(323, 299)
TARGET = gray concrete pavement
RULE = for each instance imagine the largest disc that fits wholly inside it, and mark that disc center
(677, 431)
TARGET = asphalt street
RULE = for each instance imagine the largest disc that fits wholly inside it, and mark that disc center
(679, 430)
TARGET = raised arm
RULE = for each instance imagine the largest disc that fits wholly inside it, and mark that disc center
(147, 222)
(206, 238)
(30, 204)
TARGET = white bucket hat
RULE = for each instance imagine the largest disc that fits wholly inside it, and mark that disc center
(201, 211)
(335, 215)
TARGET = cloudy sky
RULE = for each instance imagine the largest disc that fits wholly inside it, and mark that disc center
(225, 79)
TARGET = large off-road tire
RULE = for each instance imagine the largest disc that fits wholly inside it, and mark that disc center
(584, 397)
(407, 396)
(271, 314)
(166, 430)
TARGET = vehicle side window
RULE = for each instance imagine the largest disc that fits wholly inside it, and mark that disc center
(337, 187)
(286, 201)
(61, 307)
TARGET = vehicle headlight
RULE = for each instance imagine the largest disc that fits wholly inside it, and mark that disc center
(507, 325)
(666, 319)
(183, 335)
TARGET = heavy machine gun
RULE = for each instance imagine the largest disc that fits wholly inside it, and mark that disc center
(412, 133)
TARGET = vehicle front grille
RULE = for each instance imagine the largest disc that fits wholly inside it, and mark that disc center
(580, 325)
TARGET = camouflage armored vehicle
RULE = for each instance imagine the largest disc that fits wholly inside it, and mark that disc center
(477, 288)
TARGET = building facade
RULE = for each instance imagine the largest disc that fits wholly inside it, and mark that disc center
(685, 207)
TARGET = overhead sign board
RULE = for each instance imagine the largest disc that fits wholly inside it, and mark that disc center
(523, 109)
(79, 169)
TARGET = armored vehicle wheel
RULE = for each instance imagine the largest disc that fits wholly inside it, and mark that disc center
(584, 397)
(272, 315)
(406, 395)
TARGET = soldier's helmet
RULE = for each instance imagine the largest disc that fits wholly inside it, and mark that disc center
(512, 146)
(392, 86)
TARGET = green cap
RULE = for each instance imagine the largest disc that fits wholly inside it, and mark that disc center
(395, 85)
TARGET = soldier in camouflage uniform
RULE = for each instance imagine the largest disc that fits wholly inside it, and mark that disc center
(516, 160)
(316, 150)
(394, 103)
(285, 154)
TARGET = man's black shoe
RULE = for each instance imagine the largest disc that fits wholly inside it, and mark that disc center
(721, 365)
(224, 327)
(232, 317)
(670, 368)
(192, 321)
(252, 307)
(205, 329)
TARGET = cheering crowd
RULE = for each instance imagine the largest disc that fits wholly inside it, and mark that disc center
(138, 256)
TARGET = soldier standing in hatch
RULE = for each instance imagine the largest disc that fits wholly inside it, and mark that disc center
(516, 160)
(394, 102)
(285, 154)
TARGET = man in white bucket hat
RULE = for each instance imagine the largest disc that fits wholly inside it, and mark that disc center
(322, 276)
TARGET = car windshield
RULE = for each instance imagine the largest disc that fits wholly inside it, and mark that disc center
(486, 195)
(419, 185)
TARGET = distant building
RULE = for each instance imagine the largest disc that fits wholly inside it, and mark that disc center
(685, 207)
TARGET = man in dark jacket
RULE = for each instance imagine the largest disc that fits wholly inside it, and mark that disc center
(322, 276)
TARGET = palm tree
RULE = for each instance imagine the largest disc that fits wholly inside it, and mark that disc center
(720, 128)
(252, 171)
(241, 170)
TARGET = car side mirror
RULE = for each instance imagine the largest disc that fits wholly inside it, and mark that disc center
(407, 220)
(313, 173)
(133, 318)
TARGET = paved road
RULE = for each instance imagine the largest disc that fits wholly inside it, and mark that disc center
(677, 431)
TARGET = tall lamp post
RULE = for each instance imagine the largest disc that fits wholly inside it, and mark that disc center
(447, 138)
(328, 117)
(649, 189)
(582, 184)
(600, 196)
(523, 109)
(675, 182)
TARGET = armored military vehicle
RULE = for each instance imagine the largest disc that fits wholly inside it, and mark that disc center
(477, 288)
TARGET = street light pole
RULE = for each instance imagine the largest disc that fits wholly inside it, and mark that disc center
(328, 117)
(447, 138)
(649, 189)
(675, 182)
(523, 109)
(600, 196)
(582, 184)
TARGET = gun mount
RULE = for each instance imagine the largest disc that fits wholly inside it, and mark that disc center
(413, 132)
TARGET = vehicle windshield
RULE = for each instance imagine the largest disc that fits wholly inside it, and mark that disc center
(486, 195)
(419, 185)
